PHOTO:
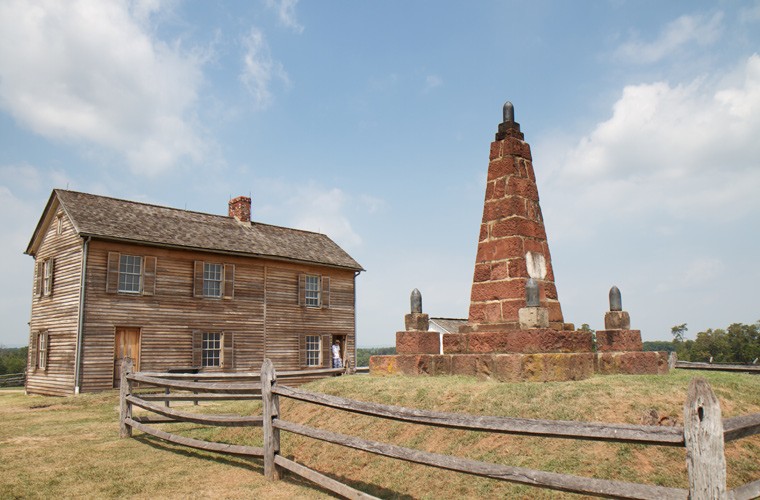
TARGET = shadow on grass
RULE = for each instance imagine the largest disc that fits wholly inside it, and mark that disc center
(368, 488)
(257, 465)
(232, 460)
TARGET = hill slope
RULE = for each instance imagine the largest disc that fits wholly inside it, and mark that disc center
(622, 399)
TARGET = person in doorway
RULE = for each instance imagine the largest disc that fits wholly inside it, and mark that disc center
(336, 355)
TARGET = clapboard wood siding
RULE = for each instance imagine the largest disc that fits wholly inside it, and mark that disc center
(263, 315)
(257, 312)
(287, 322)
(56, 313)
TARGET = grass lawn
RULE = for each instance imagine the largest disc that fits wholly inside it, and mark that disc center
(69, 447)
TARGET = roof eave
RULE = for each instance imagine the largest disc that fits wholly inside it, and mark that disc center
(220, 252)
(31, 248)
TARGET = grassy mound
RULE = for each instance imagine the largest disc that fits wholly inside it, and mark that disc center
(620, 399)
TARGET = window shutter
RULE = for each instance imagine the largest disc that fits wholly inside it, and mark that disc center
(197, 348)
(326, 354)
(326, 291)
(302, 293)
(228, 350)
(33, 351)
(149, 276)
(38, 279)
(198, 279)
(112, 273)
(302, 350)
(229, 281)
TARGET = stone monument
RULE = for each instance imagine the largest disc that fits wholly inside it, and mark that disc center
(515, 329)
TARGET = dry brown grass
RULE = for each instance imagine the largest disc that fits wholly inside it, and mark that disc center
(69, 447)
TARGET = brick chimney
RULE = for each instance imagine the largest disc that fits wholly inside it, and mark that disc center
(240, 208)
(512, 245)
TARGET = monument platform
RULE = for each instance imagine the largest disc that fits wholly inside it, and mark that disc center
(529, 341)
(539, 367)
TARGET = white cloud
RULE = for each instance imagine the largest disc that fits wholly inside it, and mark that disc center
(286, 13)
(432, 81)
(324, 210)
(259, 69)
(22, 199)
(696, 272)
(93, 74)
(684, 151)
(750, 14)
(699, 29)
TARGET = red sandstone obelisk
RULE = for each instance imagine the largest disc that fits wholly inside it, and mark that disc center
(512, 245)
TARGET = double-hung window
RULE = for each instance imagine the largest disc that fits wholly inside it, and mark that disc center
(212, 280)
(130, 272)
(312, 291)
(214, 349)
(43, 281)
(47, 280)
(313, 350)
(42, 350)
(211, 350)
(39, 346)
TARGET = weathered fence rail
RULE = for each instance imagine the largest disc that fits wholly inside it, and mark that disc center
(703, 435)
(12, 380)
(725, 367)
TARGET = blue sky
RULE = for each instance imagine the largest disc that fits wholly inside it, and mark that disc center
(371, 122)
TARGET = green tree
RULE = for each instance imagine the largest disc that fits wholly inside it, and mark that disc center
(658, 345)
(12, 360)
(744, 342)
(682, 346)
(364, 353)
(712, 345)
(678, 332)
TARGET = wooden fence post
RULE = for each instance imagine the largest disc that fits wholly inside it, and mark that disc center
(125, 389)
(271, 410)
(703, 435)
(672, 359)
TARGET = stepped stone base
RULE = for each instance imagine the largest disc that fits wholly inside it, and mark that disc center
(631, 363)
(539, 367)
(543, 367)
(508, 326)
(537, 340)
(618, 340)
(418, 342)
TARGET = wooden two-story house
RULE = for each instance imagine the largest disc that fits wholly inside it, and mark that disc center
(175, 289)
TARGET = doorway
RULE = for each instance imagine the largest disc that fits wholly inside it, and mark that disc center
(127, 345)
(342, 340)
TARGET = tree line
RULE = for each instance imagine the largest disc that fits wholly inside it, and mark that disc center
(737, 343)
(12, 360)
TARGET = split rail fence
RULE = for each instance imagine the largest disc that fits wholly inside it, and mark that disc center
(703, 434)
(13, 380)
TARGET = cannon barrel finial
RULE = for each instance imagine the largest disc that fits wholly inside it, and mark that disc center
(416, 300)
(509, 112)
(616, 300)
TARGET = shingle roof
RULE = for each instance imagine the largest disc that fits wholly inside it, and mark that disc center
(451, 325)
(111, 218)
